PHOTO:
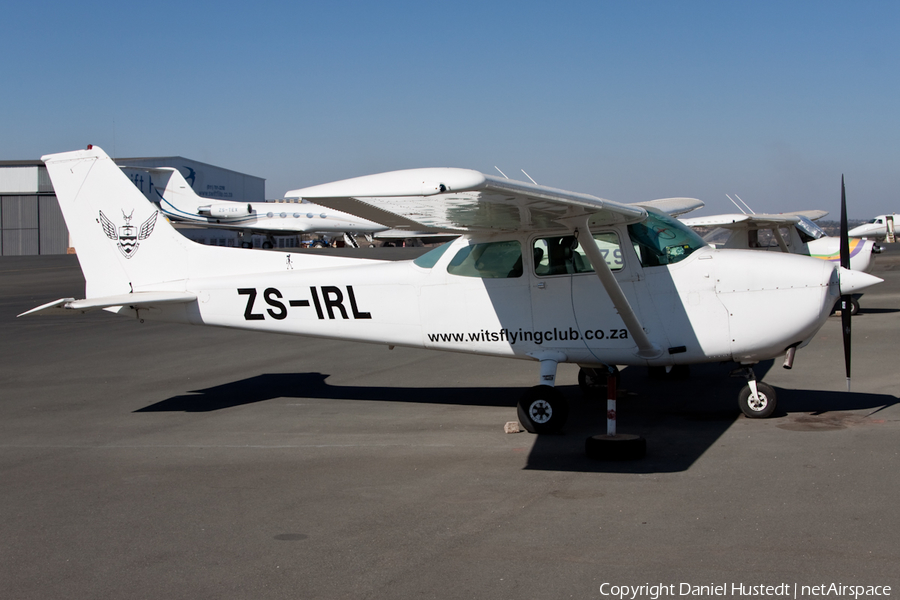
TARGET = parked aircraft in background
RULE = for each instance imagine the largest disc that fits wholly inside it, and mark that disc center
(537, 274)
(786, 232)
(179, 202)
(793, 232)
(880, 228)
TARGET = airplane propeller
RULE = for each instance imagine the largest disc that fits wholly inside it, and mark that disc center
(845, 298)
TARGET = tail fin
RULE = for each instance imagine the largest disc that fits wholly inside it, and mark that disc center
(122, 242)
(124, 245)
(175, 196)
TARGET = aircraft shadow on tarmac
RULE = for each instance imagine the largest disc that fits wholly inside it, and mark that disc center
(878, 311)
(680, 419)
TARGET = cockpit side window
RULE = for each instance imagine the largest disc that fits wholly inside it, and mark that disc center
(490, 260)
(560, 255)
(661, 240)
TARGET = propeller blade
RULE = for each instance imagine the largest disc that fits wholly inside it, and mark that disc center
(845, 240)
(845, 298)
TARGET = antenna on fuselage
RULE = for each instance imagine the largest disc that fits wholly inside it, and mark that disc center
(745, 204)
(529, 177)
(501, 172)
(736, 204)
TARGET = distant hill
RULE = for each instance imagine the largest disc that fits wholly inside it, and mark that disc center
(834, 227)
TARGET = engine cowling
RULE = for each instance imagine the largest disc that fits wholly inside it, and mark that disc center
(226, 210)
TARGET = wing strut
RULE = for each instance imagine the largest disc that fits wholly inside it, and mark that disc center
(776, 232)
(646, 348)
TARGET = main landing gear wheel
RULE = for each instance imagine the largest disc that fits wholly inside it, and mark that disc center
(593, 382)
(621, 446)
(854, 307)
(543, 409)
(760, 406)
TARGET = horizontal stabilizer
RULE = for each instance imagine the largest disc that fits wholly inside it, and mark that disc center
(137, 299)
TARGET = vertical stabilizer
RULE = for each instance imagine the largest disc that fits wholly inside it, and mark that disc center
(175, 195)
(122, 241)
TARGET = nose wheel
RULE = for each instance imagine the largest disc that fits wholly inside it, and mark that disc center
(757, 403)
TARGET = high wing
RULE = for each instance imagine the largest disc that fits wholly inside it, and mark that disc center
(732, 221)
(462, 200)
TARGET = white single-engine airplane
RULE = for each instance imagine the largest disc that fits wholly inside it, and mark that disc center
(788, 232)
(538, 274)
(793, 232)
(179, 202)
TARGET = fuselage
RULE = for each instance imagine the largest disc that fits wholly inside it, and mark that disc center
(521, 295)
(876, 229)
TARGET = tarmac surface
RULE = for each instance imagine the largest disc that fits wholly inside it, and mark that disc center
(165, 461)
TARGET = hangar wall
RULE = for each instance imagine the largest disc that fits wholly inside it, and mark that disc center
(30, 219)
(207, 181)
(31, 222)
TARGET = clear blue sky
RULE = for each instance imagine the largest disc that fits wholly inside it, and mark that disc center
(625, 100)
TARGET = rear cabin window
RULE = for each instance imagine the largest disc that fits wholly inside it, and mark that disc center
(491, 260)
(765, 238)
(561, 255)
(430, 258)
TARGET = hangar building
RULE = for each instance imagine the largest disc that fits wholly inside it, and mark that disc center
(31, 222)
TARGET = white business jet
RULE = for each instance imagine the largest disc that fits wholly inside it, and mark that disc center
(879, 228)
(538, 274)
(179, 202)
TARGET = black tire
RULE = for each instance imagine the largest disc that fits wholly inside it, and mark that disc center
(593, 382)
(615, 447)
(854, 307)
(317, 245)
(543, 409)
(267, 245)
(246, 245)
(763, 406)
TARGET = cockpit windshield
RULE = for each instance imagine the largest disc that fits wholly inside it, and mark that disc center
(809, 231)
(662, 240)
